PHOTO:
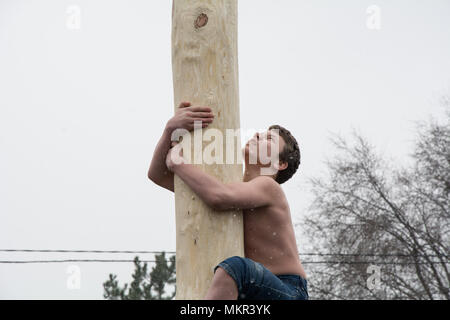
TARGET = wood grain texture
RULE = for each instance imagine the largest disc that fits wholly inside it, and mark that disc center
(205, 72)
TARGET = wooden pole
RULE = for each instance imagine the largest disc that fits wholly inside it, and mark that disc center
(205, 73)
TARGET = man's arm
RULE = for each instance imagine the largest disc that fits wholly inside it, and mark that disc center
(220, 196)
(158, 171)
(184, 118)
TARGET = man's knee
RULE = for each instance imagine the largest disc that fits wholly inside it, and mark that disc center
(222, 274)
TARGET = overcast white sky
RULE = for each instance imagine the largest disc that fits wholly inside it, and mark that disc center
(82, 110)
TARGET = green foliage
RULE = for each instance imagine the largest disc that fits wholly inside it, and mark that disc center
(145, 285)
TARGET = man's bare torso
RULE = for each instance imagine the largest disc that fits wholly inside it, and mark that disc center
(269, 237)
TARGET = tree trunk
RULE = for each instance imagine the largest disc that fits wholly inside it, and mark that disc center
(205, 72)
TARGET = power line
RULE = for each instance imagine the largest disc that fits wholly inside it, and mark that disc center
(84, 251)
(371, 255)
(152, 261)
(69, 260)
(173, 252)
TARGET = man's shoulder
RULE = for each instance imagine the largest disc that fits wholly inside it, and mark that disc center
(267, 182)
(271, 187)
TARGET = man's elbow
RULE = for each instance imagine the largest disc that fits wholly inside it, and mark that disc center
(151, 177)
(154, 177)
(156, 180)
(166, 181)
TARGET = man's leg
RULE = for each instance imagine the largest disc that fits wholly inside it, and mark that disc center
(223, 287)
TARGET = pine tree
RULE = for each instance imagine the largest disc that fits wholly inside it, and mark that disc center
(145, 285)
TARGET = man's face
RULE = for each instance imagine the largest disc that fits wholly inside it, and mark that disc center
(266, 142)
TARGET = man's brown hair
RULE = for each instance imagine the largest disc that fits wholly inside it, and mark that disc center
(289, 154)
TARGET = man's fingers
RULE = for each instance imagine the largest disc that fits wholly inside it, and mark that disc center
(203, 115)
(200, 109)
(204, 120)
(178, 148)
(184, 104)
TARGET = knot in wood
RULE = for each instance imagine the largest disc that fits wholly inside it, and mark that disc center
(201, 21)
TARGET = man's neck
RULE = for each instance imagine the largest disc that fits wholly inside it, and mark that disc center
(251, 172)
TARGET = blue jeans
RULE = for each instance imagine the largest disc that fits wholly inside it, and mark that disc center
(256, 282)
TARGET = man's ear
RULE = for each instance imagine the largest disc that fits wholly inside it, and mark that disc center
(281, 165)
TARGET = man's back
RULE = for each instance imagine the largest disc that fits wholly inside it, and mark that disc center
(270, 238)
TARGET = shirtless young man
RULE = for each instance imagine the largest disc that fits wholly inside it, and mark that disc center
(271, 268)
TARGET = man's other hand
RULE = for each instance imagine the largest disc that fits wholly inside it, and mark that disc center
(175, 156)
